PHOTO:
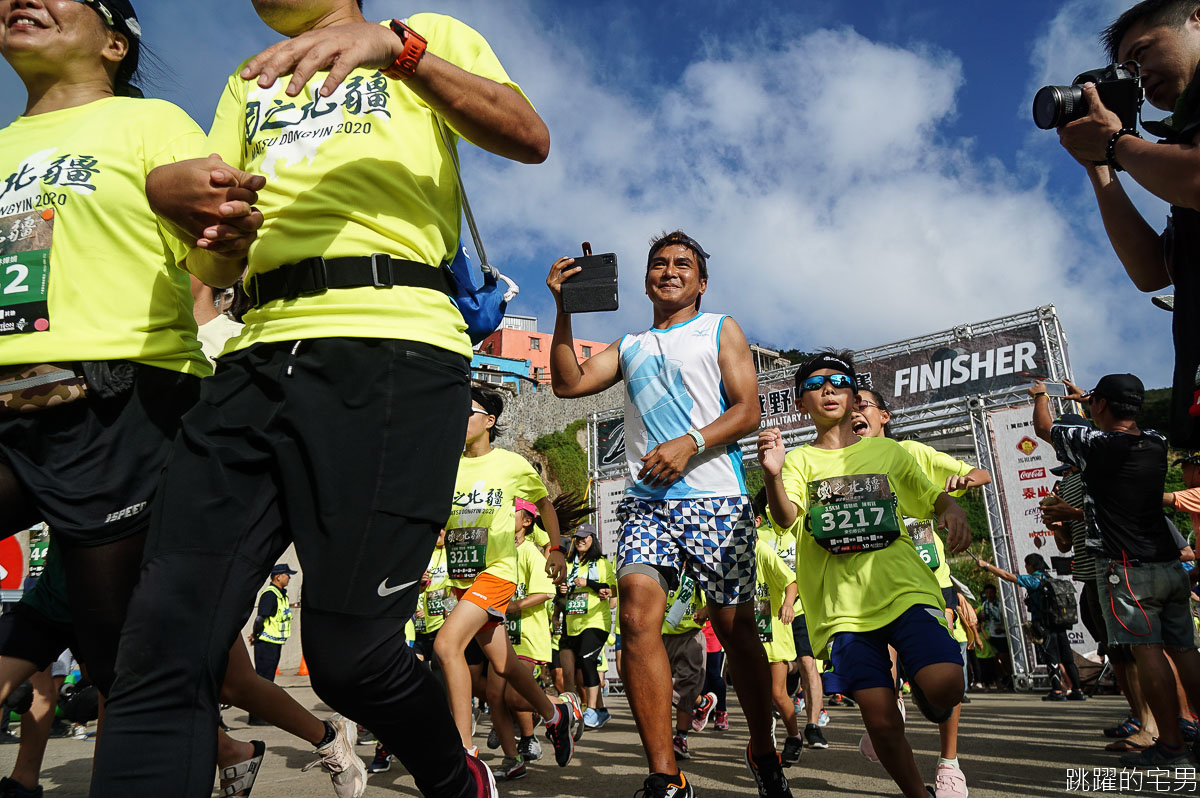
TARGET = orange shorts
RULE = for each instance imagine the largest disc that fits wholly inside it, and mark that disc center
(489, 593)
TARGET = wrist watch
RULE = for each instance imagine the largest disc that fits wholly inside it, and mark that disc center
(414, 44)
(695, 435)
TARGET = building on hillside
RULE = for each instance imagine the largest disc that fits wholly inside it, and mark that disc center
(502, 372)
(518, 339)
(767, 359)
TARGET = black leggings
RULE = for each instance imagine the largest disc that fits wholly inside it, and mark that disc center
(17, 510)
(587, 646)
(1058, 652)
(714, 680)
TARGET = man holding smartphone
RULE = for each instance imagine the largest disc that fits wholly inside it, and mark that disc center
(691, 393)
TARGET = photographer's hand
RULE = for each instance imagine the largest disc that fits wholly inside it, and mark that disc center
(1087, 138)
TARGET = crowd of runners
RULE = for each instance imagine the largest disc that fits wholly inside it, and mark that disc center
(214, 347)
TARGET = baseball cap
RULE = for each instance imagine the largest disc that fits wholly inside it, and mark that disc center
(1124, 388)
(527, 506)
(586, 531)
(283, 568)
(1191, 458)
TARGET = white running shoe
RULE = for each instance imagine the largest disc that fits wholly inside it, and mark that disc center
(950, 782)
(346, 770)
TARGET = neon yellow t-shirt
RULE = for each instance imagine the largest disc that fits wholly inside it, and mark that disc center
(938, 467)
(114, 289)
(692, 604)
(483, 517)
(783, 542)
(959, 631)
(862, 591)
(362, 171)
(585, 609)
(539, 536)
(771, 584)
(433, 598)
(532, 629)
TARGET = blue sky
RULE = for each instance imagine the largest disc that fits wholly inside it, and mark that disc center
(860, 172)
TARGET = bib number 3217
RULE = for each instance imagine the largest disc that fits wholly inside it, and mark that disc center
(853, 514)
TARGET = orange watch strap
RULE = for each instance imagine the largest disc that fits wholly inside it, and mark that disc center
(405, 65)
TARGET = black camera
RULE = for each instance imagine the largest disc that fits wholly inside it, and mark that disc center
(1119, 87)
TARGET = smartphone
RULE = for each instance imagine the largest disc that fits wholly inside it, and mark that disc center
(1061, 565)
(1058, 389)
(594, 287)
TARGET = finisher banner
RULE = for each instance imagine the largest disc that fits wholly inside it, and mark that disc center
(1023, 463)
(949, 369)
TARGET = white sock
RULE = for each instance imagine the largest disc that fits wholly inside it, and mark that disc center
(951, 762)
(557, 715)
(472, 751)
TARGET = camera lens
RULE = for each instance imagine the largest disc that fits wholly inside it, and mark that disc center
(1055, 106)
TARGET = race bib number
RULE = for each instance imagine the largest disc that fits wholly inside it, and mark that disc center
(513, 624)
(449, 602)
(557, 629)
(763, 615)
(466, 552)
(577, 604)
(681, 607)
(853, 514)
(922, 533)
(435, 602)
(419, 624)
(25, 272)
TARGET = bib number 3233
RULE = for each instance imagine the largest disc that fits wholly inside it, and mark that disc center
(853, 514)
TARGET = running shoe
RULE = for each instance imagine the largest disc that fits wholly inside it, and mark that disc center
(867, 748)
(768, 776)
(823, 719)
(485, 782)
(476, 711)
(11, 788)
(950, 782)
(1159, 756)
(814, 737)
(574, 707)
(1124, 729)
(1189, 730)
(792, 748)
(529, 748)
(604, 717)
(510, 768)
(559, 734)
(704, 707)
(365, 736)
(337, 758)
(799, 703)
(238, 779)
(591, 718)
(1076, 695)
(932, 714)
(1055, 695)
(721, 721)
(660, 785)
(382, 761)
(493, 740)
(680, 742)
(836, 700)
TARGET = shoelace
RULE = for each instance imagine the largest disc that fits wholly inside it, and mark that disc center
(329, 762)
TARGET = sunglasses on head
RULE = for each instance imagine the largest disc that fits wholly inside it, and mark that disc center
(815, 382)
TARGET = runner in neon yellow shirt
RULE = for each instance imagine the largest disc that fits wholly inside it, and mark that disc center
(585, 599)
(871, 420)
(481, 556)
(864, 586)
(774, 602)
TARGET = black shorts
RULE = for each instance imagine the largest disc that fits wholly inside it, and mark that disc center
(27, 634)
(92, 466)
(348, 447)
(587, 644)
(800, 637)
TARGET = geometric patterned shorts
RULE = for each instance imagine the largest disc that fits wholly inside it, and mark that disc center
(710, 538)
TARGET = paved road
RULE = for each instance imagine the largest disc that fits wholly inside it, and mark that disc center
(1011, 746)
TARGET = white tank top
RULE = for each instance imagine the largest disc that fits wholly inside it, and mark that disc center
(673, 384)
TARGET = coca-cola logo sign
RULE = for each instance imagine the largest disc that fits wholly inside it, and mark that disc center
(1033, 473)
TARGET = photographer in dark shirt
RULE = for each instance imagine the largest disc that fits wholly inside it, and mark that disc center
(1163, 36)
(1144, 591)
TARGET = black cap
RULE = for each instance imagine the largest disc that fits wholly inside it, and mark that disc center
(1124, 388)
(119, 16)
(283, 568)
(1061, 470)
(825, 361)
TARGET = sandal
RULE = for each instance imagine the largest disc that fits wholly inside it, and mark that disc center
(242, 775)
(1127, 728)
(1126, 746)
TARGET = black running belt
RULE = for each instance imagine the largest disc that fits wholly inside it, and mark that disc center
(315, 275)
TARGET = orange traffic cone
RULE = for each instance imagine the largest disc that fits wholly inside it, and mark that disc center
(303, 667)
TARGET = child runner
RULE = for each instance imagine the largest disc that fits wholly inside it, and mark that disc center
(774, 598)
(712, 701)
(871, 421)
(865, 586)
(590, 583)
(481, 557)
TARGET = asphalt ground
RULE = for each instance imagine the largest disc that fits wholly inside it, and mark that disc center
(1010, 745)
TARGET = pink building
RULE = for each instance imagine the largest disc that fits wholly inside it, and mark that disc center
(519, 339)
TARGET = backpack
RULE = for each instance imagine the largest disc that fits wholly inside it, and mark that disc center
(1055, 599)
(481, 308)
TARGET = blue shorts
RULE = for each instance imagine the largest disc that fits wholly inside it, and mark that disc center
(711, 538)
(861, 660)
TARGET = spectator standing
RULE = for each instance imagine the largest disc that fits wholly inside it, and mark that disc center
(272, 627)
